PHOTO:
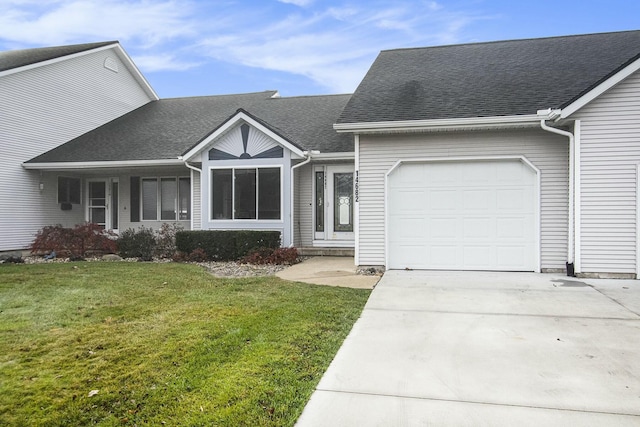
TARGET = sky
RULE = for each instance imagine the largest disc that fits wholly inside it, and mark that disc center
(298, 47)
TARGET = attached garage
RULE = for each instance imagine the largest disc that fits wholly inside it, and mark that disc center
(479, 214)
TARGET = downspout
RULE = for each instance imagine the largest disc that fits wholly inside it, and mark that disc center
(193, 168)
(570, 232)
(292, 199)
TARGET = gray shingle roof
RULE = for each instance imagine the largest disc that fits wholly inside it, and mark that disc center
(11, 59)
(167, 128)
(487, 79)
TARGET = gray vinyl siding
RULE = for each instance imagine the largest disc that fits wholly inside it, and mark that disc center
(546, 151)
(41, 108)
(610, 153)
(303, 230)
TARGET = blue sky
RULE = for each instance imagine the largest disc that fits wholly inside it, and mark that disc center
(299, 47)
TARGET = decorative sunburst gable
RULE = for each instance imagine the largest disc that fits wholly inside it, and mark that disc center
(226, 142)
(245, 142)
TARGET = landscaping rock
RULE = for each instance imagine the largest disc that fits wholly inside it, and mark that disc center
(111, 257)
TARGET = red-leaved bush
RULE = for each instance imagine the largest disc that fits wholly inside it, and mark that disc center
(74, 242)
(280, 256)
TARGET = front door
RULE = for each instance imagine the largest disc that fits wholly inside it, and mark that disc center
(102, 202)
(333, 208)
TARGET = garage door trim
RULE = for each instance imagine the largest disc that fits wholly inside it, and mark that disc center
(522, 159)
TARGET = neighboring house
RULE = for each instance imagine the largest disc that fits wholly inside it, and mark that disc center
(49, 96)
(516, 156)
(513, 155)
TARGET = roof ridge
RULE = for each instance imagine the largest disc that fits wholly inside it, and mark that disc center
(220, 95)
(507, 41)
(314, 96)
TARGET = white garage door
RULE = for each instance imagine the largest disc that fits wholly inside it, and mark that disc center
(471, 215)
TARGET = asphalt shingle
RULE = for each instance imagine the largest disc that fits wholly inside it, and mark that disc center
(11, 59)
(167, 128)
(487, 79)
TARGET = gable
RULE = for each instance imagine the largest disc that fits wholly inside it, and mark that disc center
(235, 140)
(245, 142)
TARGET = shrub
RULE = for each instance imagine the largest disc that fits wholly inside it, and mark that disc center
(280, 256)
(226, 245)
(166, 240)
(14, 260)
(139, 244)
(76, 242)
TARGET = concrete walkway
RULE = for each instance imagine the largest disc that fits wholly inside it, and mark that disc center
(328, 270)
(487, 349)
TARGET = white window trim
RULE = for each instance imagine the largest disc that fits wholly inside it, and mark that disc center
(159, 198)
(233, 194)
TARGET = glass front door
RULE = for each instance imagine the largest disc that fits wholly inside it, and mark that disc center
(333, 203)
(102, 203)
(97, 203)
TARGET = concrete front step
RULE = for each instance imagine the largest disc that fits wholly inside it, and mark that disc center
(317, 251)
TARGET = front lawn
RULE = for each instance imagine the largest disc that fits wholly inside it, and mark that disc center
(162, 344)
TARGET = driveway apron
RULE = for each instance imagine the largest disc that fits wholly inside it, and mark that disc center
(481, 348)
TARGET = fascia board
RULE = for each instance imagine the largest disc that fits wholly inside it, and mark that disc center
(334, 156)
(240, 116)
(102, 164)
(438, 124)
(124, 57)
(54, 60)
(600, 89)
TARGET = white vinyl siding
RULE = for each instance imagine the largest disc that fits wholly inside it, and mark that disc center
(547, 152)
(41, 108)
(303, 229)
(196, 212)
(610, 153)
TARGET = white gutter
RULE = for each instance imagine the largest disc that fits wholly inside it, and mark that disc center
(101, 164)
(292, 187)
(435, 124)
(552, 114)
(193, 168)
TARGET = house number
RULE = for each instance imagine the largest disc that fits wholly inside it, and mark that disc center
(355, 190)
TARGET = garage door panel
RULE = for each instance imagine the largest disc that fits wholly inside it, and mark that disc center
(477, 228)
(478, 200)
(513, 228)
(443, 228)
(509, 257)
(478, 257)
(412, 228)
(470, 215)
(441, 257)
(442, 200)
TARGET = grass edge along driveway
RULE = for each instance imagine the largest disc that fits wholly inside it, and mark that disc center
(162, 344)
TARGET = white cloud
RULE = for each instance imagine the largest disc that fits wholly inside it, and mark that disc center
(59, 22)
(301, 3)
(331, 45)
(162, 62)
(335, 47)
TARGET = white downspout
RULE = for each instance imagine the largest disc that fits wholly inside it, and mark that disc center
(570, 231)
(193, 168)
(292, 198)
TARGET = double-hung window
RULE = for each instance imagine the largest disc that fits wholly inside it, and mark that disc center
(166, 199)
(246, 193)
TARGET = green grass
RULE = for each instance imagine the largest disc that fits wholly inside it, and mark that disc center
(164, 344)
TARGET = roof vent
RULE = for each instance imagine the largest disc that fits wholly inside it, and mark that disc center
(111, 64)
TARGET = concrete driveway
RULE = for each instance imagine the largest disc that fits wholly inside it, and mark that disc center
(463, 348)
